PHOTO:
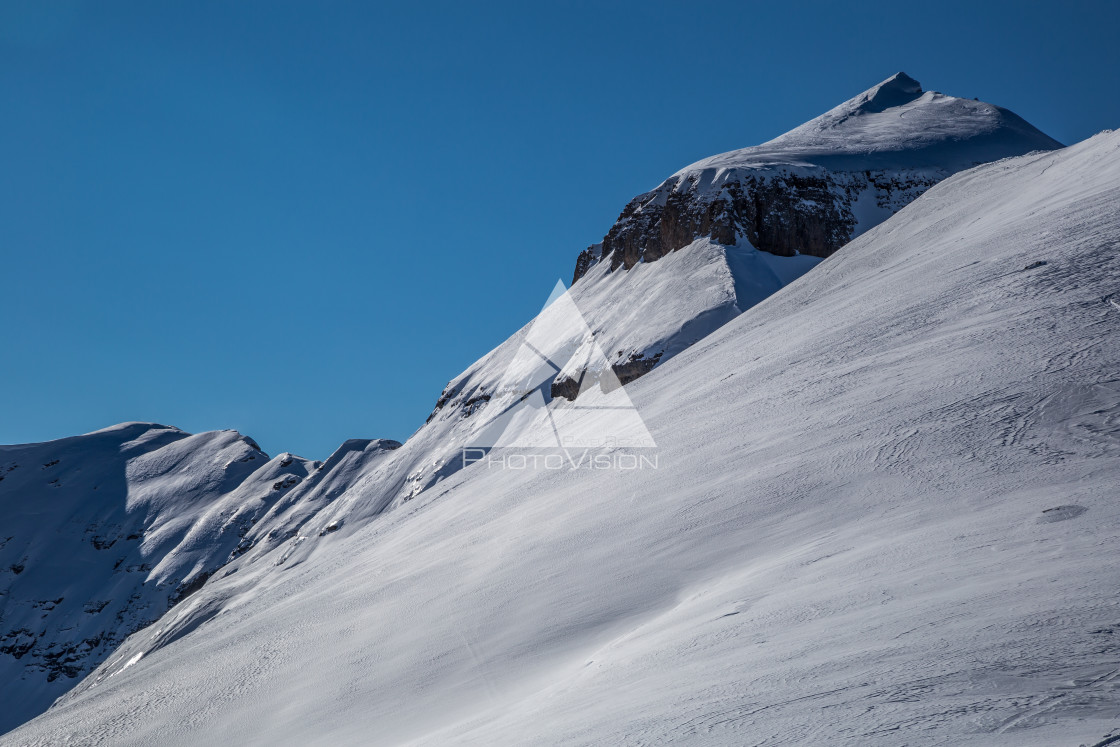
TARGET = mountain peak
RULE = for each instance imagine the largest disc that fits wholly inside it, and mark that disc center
(894, 124)
(818, 186)
(896, 90)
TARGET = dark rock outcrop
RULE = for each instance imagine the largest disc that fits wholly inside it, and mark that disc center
(636, 366)
(778, 211)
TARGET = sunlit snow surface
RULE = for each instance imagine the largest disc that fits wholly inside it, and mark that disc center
(894, 125)
(851, 538)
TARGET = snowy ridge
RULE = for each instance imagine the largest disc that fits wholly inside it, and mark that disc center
(883, 514)
(103, 533)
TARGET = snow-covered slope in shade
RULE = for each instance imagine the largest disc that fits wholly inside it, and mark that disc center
(884, 513)
(101, 534)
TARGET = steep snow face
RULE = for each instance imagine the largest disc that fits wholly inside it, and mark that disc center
(654, 312)
(815, 188)
(103, 533)
(883, 512)
(638, 319)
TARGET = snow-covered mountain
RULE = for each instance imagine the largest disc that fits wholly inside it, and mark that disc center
(224, 515)
(800, 197)
(251, 581)
(884, 512)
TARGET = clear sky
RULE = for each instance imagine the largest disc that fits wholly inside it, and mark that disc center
(300, 220)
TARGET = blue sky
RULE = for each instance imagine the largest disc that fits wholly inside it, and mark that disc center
(300, 220)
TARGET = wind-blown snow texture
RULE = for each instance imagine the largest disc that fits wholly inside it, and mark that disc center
(885, 513)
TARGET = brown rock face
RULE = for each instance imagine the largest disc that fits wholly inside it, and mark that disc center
(780, 212)
(636, 367)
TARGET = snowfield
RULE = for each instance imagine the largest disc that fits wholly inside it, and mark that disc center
(885, 512)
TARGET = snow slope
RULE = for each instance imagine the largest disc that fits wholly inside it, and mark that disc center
(885, 512)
